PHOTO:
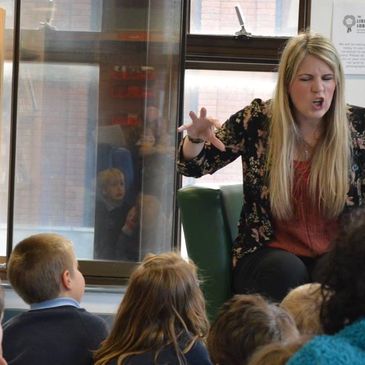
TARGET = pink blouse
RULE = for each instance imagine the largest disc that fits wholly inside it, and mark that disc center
(308, 233)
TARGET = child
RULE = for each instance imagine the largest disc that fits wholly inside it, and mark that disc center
(161, 319)
(277, 353)
(304, 304)
(244, 323)
(43, 270)
(111, 213)
(342, 311)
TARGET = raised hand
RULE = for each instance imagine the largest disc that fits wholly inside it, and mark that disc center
(203, 127)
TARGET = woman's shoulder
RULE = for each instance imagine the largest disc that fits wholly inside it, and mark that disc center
(356, 116)
(258, 106)
(255, 115)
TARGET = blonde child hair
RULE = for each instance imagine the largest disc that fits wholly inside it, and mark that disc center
(105, 176)
(277, 353)
(304, 304)
(162, 305)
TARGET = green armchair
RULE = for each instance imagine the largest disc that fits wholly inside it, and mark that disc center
(209, 218)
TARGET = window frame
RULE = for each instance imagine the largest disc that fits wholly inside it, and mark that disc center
(238, 53)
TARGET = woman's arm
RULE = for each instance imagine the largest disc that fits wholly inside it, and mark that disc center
(200, 130)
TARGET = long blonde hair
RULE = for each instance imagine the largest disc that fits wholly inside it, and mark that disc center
(328, 182)
(162, 304)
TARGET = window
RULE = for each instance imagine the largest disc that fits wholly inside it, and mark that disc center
(88, 130)
(225, 71)
(266, 18)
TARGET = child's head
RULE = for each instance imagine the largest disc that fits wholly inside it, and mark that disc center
(43, 267)
(111, 183)
(162, 301)
(304, 304)
(277, 353)
(244, 323)
(343, 278)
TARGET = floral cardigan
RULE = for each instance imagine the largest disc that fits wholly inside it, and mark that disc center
(245, 135)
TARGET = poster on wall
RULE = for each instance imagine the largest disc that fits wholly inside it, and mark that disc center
(348, 34)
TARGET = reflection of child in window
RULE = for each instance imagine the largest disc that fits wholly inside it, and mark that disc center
(127, 246)
(110, 213)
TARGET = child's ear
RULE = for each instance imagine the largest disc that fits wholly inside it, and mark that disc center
(66, 280)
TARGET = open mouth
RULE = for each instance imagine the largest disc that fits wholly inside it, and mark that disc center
(318, 102)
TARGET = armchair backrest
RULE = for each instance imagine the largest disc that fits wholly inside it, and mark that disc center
(209, 218)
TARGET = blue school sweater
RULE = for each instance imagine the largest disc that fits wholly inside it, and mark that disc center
(198, 355)
(64, 335)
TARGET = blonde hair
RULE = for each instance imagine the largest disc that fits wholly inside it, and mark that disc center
(245, 323)
(105, 177)
(36, 266)
(328, 183)
(304, 304)
(277, 353)
(162, 304)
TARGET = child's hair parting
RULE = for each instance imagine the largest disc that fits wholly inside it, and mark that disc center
(36, 265)
(163, 305)
(244, 323)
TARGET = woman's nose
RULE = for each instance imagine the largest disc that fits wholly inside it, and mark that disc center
(317, 86)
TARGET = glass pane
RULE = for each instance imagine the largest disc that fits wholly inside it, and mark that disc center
(68, 15)
(223, 93)
(6, 35)
(260, 17)
(96, 135)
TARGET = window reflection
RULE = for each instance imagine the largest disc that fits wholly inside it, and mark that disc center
(55, 163)
(97, 105)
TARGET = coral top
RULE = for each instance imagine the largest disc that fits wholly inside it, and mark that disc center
(308, 233)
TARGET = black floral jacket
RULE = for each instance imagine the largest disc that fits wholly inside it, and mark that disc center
(245, 135)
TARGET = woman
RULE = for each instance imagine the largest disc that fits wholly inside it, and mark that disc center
(303, 161)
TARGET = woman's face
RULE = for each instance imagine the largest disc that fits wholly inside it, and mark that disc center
(311, 90)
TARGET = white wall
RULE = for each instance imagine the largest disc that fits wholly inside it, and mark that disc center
(321, 22)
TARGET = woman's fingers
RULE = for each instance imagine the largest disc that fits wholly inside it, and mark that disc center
(215, 122)
(183, 127)
(193, 116)
(203, 113)
(217, 143)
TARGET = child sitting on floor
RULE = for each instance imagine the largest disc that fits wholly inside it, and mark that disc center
(304, 304)
(43, 270)
(243, 324)
(161, 319)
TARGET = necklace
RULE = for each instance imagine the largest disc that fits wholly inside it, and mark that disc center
(305, 149)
